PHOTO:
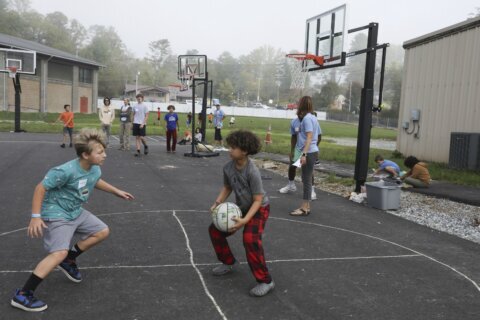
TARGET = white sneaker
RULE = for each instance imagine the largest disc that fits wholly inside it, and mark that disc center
(262, 289)
(314, 195)
(288, 188)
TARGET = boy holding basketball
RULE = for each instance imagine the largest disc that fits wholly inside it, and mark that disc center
(243, 178)
(57, 215)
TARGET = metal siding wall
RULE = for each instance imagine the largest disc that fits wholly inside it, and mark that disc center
(442, 80)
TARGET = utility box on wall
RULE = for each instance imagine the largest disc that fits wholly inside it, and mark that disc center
(464, 151)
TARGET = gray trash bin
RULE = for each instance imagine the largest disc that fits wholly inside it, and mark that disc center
(383, 195)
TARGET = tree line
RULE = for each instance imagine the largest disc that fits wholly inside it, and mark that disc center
(263, 74)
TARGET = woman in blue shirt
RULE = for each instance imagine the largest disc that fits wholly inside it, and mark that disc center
(306, 150)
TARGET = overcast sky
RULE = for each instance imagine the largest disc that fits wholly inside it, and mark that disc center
(239, 26)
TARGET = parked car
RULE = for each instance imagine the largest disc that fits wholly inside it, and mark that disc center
(292, 106)
(257, 105)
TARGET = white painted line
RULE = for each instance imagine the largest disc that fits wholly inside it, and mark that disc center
(121, 213)
(32, 141)
(344, 258)
(115, 137)
(152, 139)
(182, 265)
(387, 241)
(207, 292)
(13, 231)
(149, 211)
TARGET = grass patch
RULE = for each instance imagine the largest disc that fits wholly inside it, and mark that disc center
(280, 129)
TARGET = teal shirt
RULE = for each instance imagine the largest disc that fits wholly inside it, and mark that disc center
(68, 187)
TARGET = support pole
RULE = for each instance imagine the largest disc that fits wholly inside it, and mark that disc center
(366, 105)
(193, 114)
(18, 91)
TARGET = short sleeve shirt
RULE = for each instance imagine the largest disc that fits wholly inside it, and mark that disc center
(171, 119)
(67, 119)
(295, 126)
(218, 118)
(309, 124)
(389, 163)
(141, 112)
(245, 183)
(68, 187)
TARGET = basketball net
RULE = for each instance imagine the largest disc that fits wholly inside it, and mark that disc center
(298, 71)
(12, 72)
(187, 76)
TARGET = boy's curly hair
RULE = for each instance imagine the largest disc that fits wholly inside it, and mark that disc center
(245, 140)
(86, 138)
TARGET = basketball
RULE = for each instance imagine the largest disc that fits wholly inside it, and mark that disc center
(222, 215)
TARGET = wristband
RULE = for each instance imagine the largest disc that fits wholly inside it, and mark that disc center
(36, 215)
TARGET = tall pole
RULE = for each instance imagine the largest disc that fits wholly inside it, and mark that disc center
(136, 82)
(366, 105)
(350, 98)
(258, 90)
(18, 91)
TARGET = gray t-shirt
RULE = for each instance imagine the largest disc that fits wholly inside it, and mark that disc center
(245, 183)
(140, 112)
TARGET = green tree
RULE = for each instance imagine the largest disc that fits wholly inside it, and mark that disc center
(225, 91)
(107, 48)
(325, 98)
(56, 32)
(160, 51)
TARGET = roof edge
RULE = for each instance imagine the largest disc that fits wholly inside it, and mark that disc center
(442, 33)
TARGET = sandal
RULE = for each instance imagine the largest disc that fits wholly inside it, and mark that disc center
(300, 212)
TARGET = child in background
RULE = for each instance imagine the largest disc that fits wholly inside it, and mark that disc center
(418, 175)
(198, 135)
(67, 118)
(242, 177)
(58, 216)
(171, 123)
(386, 166)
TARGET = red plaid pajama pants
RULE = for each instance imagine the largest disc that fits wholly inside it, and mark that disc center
(252, 241)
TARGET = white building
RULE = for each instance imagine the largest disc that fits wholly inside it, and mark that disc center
(440, 87)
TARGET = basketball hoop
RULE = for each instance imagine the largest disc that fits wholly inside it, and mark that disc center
(186, 79)
(299, 67)
(12, 72)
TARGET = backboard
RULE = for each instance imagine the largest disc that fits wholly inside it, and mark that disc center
(325, 36)
(189, 65)
(25, 61)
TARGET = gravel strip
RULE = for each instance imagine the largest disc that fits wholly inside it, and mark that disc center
(439, 214)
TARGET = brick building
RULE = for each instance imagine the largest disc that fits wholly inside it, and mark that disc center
(61, 78)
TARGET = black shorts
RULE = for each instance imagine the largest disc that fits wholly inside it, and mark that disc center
(68, 130)
(218, 134)
(137, 131)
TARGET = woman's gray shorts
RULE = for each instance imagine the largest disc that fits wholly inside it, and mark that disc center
(59, 234)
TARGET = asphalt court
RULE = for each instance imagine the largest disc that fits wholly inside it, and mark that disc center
(344, 261)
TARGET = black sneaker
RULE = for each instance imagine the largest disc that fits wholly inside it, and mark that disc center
(70, 145)
(70, 269)
(26, 301)
(137, 154)
(62, 145)
(145, 149)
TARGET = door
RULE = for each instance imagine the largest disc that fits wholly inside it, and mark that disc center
(83, 104)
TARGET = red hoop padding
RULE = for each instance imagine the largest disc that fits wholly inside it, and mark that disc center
(318, 60)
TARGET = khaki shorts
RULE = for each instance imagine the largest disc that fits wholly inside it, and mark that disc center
(59, 234)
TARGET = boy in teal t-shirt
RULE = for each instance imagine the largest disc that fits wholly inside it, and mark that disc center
(57, 215)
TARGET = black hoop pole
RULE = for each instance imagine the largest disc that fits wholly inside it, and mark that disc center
(18, 91)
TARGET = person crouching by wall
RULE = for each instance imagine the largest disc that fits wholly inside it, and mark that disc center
(418, 175)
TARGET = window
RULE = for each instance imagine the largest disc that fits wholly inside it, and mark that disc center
(85, 75)
(60, 71)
